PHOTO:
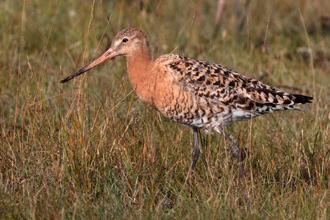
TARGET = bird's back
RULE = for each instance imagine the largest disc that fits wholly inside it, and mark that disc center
(209, 95)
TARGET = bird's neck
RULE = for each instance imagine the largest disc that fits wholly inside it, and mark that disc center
(139, 67)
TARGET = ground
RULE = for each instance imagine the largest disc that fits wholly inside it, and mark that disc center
(89, 149)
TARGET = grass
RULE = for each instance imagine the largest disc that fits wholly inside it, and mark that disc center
(89, 149)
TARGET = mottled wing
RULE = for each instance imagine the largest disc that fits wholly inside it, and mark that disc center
(244, 96)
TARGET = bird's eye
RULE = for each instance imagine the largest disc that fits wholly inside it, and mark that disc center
(125, 40)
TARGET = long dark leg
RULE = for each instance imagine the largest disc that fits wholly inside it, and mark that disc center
(195, 154)
(237, 153)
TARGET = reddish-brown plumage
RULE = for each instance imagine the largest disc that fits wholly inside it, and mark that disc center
(193, 92)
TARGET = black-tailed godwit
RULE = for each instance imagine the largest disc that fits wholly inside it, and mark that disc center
(194, 92)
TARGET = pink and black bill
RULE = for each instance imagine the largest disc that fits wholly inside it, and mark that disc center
(106, 56)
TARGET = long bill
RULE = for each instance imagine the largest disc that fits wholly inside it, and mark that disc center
(107, 55)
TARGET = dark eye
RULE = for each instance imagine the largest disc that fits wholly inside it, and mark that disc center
(125, 40)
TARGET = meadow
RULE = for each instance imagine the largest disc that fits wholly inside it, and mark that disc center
(90, 149)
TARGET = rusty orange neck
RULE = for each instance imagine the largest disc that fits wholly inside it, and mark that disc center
(139, 66)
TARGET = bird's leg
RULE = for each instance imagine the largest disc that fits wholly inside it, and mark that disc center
(237, 153)
(195, 154)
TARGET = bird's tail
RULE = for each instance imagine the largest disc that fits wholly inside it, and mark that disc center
(301, 99)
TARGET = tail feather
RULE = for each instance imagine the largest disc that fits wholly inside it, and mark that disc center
(301, 99)
(294, 99)
(253, 105)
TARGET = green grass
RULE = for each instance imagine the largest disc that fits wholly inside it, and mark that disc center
(89, 149)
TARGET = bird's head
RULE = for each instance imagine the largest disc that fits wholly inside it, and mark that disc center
(127, 42)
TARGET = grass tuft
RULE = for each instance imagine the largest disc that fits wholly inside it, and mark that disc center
(91, 150)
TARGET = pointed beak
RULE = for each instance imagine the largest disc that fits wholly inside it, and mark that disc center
(106, 56)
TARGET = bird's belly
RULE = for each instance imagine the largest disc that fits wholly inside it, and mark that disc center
(186, 108)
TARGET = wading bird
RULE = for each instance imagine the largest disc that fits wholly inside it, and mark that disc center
(194, 92)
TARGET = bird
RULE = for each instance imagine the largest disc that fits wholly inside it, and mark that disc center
(196, 93)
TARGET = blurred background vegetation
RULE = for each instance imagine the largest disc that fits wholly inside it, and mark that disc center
(89, 149)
